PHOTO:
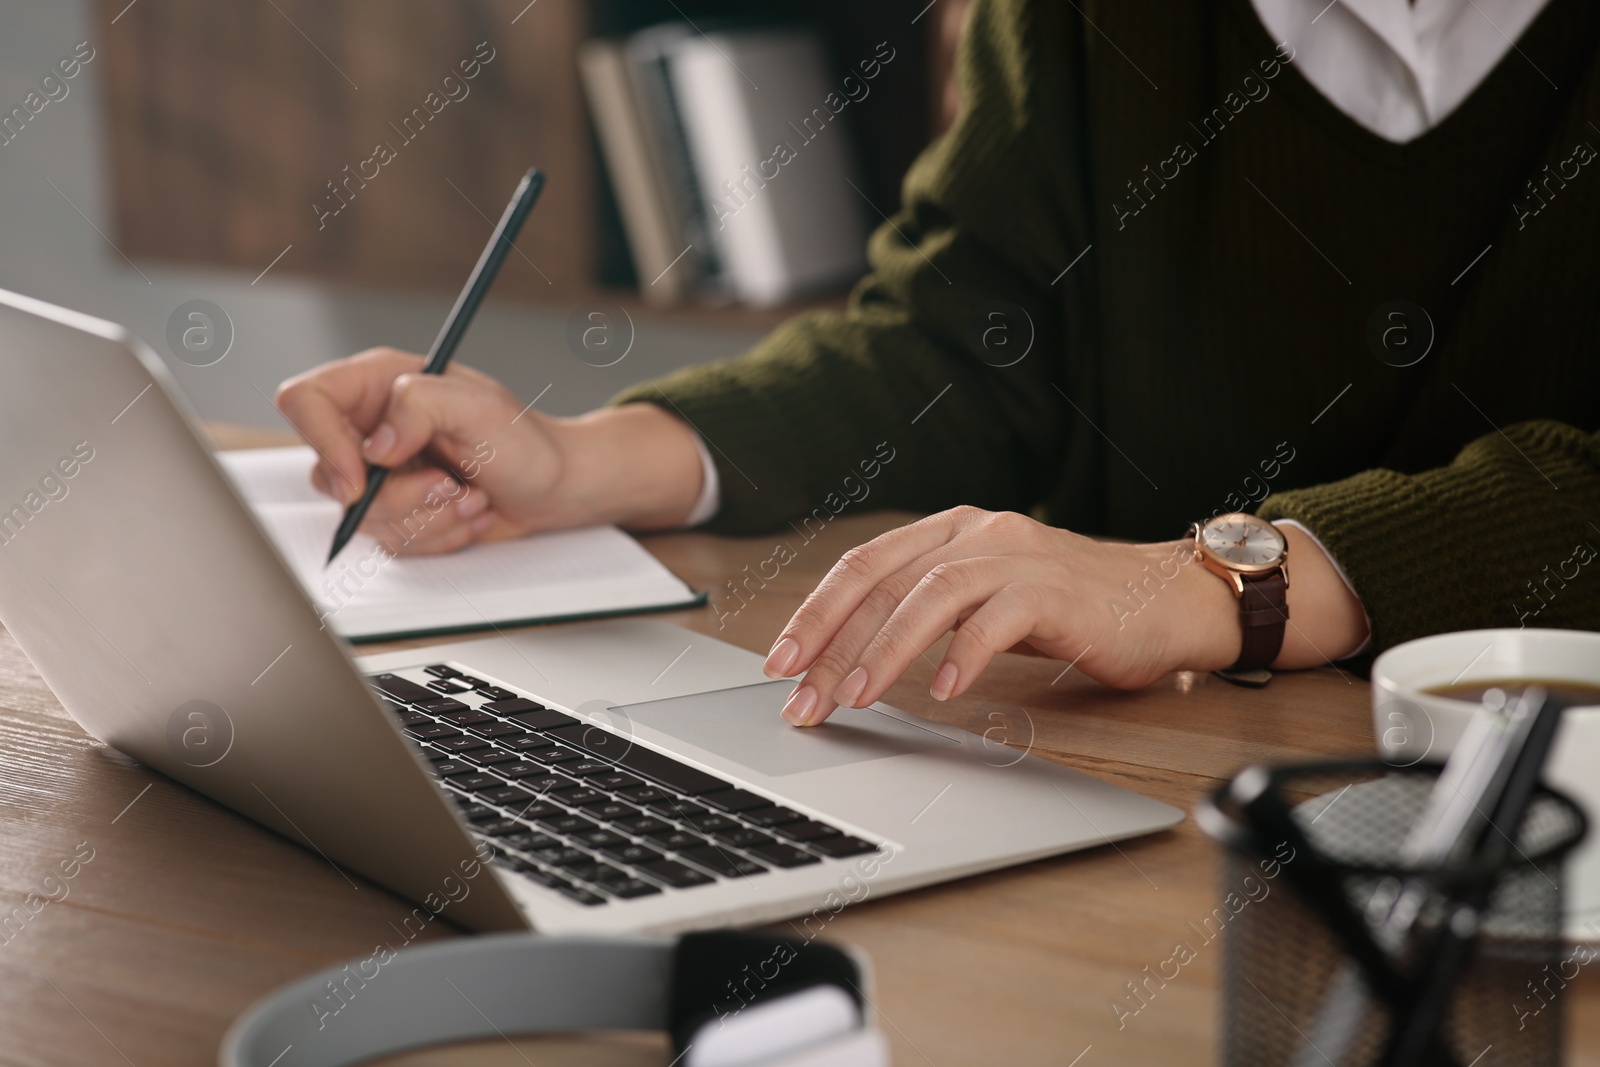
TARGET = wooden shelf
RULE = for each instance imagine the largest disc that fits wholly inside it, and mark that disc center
(229, 122)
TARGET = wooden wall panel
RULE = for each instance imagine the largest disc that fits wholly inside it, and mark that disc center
(228, 120)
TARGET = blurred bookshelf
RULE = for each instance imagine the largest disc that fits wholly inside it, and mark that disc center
(254, 133)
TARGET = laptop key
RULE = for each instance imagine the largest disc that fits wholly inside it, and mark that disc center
(448, 687)
(840, 846)
(491, 757)
(476, 813)
(773, 816)
(529, 841)
(642, 825)
(411, 718)
(733, 800)
(511, 705)
(611, 810)
(554, 755)
(676, 875)
(584, 767)
(631, 757)
(450, 768)
(468, 680)
(631, 888)
(804, 830)
(495, 730)
(568, 858)
(527, 742)
(542, 875)
(494, 692)
(432, 731)
(403, 690)
(709, 824)
(543, 785)
(517, 768)
(579, 795)
(644, 794)
(536, 718)
(508, 796)
(440, 670)
(634, 855)
(614, 780)
(439, 705)
(477, 782)
(585, 897)
(724, 863)
(678, 840)
(587, 872)
(459, 745)
(567, 823)
(600, 838)
(743, 837)
(470, 717)
(499, 827)
(539, 809)
(673, 808)
(780, 855)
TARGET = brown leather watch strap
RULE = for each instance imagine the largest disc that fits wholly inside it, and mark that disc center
(1263, 613)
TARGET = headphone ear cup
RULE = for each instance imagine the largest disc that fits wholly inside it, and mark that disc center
(721, 972)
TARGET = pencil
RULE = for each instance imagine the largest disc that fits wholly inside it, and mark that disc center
(455, 325)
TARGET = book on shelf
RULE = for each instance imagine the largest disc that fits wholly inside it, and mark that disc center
(727, 190)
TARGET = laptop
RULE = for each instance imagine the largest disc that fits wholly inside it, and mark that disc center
(618, 775)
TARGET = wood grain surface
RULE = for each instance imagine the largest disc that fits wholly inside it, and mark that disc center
(187, 913)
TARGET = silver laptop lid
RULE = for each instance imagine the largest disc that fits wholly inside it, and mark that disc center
(143, 590)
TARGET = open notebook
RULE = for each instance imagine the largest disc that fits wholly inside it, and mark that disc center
(568, 574)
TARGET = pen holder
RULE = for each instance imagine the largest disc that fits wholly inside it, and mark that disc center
(1281, 959)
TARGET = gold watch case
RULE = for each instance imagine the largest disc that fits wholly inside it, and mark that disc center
(1234, 572)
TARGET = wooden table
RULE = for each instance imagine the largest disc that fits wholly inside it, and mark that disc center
(187, 913)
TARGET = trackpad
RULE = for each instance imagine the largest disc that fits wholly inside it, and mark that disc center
(743, 725)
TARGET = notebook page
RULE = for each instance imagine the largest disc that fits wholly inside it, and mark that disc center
(365, 575)
(273, 475)
(367, 591)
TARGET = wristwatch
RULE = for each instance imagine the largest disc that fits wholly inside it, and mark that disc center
(1251, 556)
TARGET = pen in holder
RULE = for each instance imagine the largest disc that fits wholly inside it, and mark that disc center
(1298, 979)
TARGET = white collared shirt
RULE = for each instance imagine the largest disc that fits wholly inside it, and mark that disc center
(1397, 68)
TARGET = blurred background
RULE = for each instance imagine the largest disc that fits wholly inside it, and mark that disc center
(323, 173)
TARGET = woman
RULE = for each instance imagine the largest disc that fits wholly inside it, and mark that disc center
(1170, 259)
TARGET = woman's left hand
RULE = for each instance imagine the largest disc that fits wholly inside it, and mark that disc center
(1125, 614)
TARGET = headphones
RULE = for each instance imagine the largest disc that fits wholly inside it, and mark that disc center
(729, 999)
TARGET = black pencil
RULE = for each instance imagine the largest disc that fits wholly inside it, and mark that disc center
(444, 346)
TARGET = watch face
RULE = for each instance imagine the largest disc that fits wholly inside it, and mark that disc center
(1243, 541)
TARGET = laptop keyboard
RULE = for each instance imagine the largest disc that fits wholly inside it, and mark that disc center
(586, 812)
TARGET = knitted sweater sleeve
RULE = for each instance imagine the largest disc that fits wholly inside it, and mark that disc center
(902, 396)
(1506, 535)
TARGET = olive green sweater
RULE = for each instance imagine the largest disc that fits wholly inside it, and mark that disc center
(1144, 282)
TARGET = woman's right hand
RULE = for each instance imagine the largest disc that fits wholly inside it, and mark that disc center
(468, 461)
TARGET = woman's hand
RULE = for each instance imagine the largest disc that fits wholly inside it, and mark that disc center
(469, 461)
(1124, 614)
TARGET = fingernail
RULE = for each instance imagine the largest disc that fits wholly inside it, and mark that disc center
(474, 504)
(850, 690)
(780, 661)
(481, 524)
(377, 446)
(944, 682)
(798, 709)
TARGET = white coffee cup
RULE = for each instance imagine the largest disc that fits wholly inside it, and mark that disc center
(1413, 725)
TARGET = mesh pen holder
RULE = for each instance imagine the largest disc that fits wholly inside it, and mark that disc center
(1281, 959)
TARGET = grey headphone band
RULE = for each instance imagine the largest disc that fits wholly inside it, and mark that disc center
(457, 991)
